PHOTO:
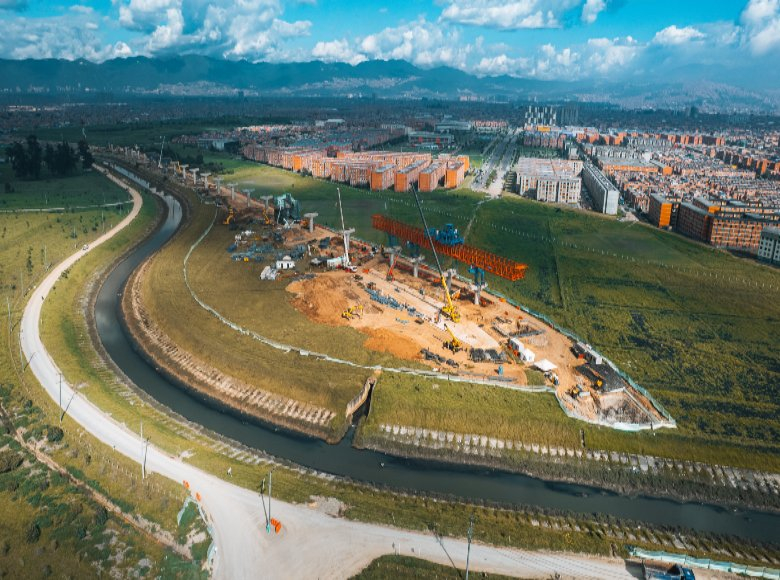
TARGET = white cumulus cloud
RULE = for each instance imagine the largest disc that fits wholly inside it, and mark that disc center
(591, 10)
(674, 35)
(761, 22)
(43, 38)
(420, 42)
(508, 14)
(337, 51)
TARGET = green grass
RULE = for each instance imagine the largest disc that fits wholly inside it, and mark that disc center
(676, 316)
(235, 290)
(462, 408)
(147, 135)
(392, 567)
(72, 542)
(82, 190)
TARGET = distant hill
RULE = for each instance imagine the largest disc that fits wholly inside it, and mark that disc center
(201, 75)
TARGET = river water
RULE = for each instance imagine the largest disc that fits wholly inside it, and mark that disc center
(378, 468)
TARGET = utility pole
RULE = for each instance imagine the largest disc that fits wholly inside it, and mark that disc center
(468, 550)
(262, 500)
(60, 395)
(270, 484)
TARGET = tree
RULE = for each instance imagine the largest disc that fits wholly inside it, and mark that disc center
(34, 157)
(64, 159)
(48, 158)
(86, 155)
(18, 157)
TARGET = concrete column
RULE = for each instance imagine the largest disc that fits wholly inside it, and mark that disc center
(450, 275)
(477, 289)
(310, 217)
(416, 265)
(395, 251)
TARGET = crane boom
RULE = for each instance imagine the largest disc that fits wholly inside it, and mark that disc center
(343, 230)
(450, 309)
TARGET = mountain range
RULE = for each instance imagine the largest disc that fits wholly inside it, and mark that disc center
(194, 75)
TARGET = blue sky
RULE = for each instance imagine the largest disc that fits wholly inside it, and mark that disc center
(722, 40)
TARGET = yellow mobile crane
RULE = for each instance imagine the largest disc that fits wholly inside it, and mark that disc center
(449, 309)
(453, 344)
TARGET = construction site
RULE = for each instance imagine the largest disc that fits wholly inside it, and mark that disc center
(400, 296)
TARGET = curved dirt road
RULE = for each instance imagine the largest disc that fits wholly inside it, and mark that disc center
(312, 544)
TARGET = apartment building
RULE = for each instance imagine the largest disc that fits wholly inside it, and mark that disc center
(769, 245)
(550, 180)
(604, 193)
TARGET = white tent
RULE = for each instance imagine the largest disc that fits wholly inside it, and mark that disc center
(545, 366)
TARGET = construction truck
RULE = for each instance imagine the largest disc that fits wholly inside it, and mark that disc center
(453, 344)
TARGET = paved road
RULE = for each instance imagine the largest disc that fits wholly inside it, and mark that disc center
(312, 544)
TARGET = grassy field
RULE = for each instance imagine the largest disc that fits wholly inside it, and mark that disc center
(78, 191)
(173, 309)
(695, 326)
(460, 407)
(148, 135)
(392, 567)
(73, 534)
(265, 307)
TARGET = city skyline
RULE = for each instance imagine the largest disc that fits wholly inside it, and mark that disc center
(730, 42)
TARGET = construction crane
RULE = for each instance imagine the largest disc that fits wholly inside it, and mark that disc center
(162, 146)
(453, 344)
(345, 232)
(449, 308)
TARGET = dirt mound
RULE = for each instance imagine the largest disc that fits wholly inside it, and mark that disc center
(387, 341)
(323, 298)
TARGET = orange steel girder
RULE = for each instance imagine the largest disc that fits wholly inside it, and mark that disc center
(503, 267)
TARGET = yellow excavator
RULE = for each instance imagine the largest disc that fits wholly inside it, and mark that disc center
(269, 221)
(352, 312)
(453, 344)
(230, 217)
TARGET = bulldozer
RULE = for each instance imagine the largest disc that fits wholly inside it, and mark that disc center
(453, 344)
(352, 312)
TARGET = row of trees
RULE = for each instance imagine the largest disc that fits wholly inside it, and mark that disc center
(28, 157)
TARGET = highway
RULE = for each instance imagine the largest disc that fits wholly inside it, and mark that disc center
(499, 160)
(312, 543)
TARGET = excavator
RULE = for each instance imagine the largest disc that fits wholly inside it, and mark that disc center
(269, 221)
(449, 309)
(231, 216)
(453, 344)
(352, 312)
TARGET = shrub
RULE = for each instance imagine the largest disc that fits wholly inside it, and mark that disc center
(9, 460)
(55, 434)
(33, 533)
